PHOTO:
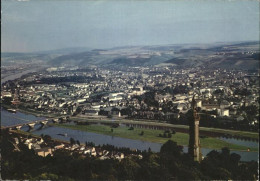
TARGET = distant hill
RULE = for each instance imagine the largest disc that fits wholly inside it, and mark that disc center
(13, 54)
(240, 55)
(73, 58)
(235, 56)
(176, 61)
(131, 61)
(65, 51)
(10, 58)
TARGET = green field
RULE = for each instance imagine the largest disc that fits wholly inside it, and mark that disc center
(152, 136)
(157, 123)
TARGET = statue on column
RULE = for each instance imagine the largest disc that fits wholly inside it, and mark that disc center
(194, 142)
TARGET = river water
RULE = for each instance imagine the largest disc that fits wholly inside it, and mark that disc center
(18, 74)
(241, 142)
(8, 119)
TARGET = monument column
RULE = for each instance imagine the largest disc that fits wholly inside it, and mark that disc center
(194, 142)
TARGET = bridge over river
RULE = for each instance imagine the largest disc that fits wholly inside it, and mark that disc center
(31, 124)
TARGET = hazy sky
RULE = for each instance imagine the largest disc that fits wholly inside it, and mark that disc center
(37, 25)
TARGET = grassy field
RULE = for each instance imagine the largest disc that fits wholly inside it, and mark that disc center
(157, 123)
(152, 136)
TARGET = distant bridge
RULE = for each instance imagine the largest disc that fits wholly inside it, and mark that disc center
(31, 124)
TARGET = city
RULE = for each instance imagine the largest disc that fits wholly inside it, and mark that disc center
(142, 91)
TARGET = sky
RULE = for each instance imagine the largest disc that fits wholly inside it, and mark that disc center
(39, 25)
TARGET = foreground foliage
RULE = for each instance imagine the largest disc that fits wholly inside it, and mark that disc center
(169, 164)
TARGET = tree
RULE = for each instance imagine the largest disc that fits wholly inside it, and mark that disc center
(126, 111)
(171, 148)
(47, 176)
(169, 135)
(115, 109)
(78, 110)
(47, 139)
(72, 141)
(219, 91)
(78, 142)
(128, 169)
(7, 100)
(223, 166)
(131, 128)
(149, 150)
(89, 144)
(164, 135)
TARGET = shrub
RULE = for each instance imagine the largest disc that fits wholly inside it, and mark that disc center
(131, 128)
(169, 135)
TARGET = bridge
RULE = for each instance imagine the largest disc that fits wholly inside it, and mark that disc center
(31, 124)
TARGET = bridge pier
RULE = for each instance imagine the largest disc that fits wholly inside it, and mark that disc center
(43, 123)
(31, 126)
(55, 120)
(18, 127)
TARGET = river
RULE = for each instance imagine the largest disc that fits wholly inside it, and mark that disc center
(18, 74)
(8, 119)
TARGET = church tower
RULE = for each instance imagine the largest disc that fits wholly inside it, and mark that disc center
(194, 141)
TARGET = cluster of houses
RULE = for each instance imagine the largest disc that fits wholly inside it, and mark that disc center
(42, 148)
(215, 90)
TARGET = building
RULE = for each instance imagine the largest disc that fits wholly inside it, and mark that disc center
(43, 151)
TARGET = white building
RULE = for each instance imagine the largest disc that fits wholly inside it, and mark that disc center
(223, 112)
